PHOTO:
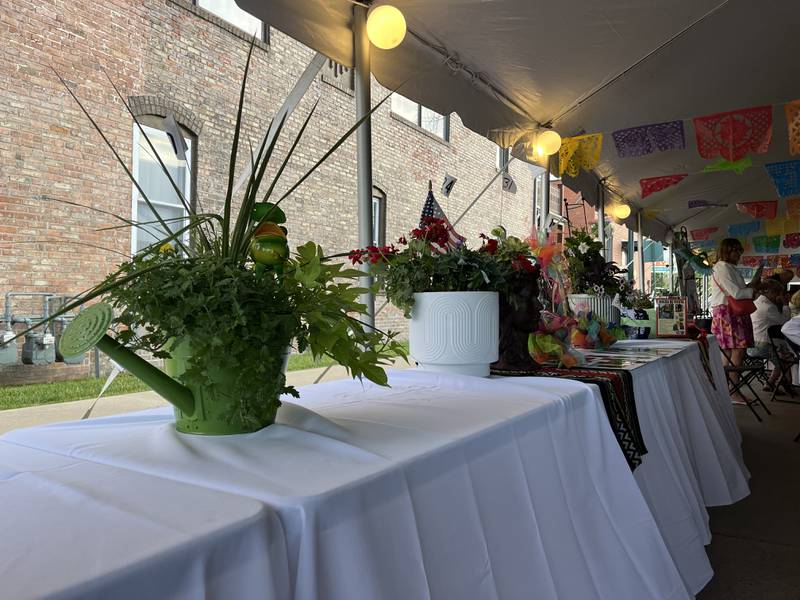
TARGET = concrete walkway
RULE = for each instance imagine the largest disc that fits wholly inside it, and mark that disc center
(71, 411)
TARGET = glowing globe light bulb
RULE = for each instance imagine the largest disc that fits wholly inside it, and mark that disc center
(620, 211)
(547, 142)
(386, 27)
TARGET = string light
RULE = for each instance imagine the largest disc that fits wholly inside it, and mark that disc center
(386, 27)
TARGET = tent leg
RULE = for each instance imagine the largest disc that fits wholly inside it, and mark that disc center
(640, 245)
(361, 51)
(601, 219)
(629, 258)
(545, 222)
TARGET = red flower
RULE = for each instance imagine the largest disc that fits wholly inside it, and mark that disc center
(402, 240)
(521, 263)
(356, 256)
(489, 247)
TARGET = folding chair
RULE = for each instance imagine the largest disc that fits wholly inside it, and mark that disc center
(786, 354)
(747, 372)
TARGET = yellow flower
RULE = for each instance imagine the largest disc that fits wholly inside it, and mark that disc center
(166, 248)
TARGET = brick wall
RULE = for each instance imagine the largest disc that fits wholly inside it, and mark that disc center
(171, 53)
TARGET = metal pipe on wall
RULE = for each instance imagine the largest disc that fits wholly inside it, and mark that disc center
(361, 60)
(546, 198)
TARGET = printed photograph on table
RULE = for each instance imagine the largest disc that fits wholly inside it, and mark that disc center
(670, 316)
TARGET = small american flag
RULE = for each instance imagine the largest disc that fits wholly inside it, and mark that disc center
(431, 208)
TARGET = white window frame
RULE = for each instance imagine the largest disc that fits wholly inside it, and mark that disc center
(418, 122)
(378, 217)
(135, 196)
(262, 34)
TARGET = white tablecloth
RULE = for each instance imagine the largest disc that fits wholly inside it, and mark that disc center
(694, 456)
(71, 529)
(441, 487)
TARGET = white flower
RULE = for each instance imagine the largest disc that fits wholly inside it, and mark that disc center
(583, 247)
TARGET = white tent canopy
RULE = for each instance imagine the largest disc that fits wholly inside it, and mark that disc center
(581, 66)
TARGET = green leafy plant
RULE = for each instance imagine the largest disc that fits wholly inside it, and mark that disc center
(428, 263)
(587, 269)
(227, 285)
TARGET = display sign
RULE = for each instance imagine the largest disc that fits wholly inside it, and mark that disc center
(670, 316)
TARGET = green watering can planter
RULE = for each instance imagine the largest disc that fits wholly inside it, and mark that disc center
(197, 409)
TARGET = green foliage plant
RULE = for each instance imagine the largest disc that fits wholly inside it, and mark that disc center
(199, 285)
(587, 269)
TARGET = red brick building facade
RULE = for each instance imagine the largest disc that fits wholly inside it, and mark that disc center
(172, 56)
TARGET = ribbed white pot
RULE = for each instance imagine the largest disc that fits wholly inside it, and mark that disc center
(455, 332)
(599, 305)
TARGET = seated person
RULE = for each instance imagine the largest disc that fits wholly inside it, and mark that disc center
(794, 304)
(768, 313)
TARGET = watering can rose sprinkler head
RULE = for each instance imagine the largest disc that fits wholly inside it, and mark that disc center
(88, 330)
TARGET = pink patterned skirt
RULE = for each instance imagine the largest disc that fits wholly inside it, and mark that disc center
(731, 331)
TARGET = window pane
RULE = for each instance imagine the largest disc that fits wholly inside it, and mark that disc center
(156, 185)
(149, 234)
(433, 122)
(406, 108)
(228, 10)
(151, 176)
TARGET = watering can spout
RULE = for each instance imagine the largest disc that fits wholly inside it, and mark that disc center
(89, 328)
(173, 392)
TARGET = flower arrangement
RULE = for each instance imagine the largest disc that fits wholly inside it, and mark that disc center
(632, 298)
(591, 332)
(587, 269)
(552, 341)
(223, 291)
(426, 261)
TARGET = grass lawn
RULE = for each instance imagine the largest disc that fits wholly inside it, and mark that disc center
(19, 396)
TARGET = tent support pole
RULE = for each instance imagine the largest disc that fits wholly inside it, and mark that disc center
(361, 60)
(601, 218)
(629, 258)
(640, 250)
(546, 198)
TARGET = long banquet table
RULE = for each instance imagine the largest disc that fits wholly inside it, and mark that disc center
(453, 487)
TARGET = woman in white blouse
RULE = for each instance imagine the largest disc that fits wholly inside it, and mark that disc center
(733, 333)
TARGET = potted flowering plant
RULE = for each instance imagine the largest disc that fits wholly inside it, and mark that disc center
(221, 297)
(519, 298)
(594, 282)
(450, 293)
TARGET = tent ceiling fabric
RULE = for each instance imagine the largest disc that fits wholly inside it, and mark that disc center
(586, 67)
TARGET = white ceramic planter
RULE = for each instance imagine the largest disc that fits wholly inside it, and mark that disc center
(455, 332)
(599, 305)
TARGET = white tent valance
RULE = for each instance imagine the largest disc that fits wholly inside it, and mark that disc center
(582, 66)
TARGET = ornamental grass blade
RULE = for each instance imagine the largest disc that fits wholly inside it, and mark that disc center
(251, 194)
(186, 205)
(117, 156)
(330, 151)
(226, 218)
(290, 153)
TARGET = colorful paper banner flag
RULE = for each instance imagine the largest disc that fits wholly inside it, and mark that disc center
(702, 234)
(791, 240)
(751, 261)
(786, 177)
(774, 227)
(745, 242)
(580, 152)
(764, 209)
(646, 139)
(703, 204)
(703, 244)
(793, 207)
(734, 134)
(748, 272)
(792, 110)
(651, 185)
(737, 166)
(744, 229)
(767, 243)
(778, 260)
(794, 260)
